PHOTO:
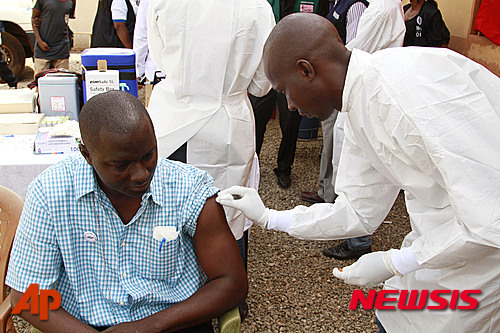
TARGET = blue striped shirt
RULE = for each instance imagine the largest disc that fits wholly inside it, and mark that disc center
(67, 221)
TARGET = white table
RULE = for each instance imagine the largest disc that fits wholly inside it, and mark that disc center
(19, 165)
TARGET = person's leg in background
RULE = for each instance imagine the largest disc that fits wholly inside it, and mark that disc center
(41, 65)
(326, 191)
(60, 63)
(289, 124)
(6, 73)
(352, 248)
(263, 108)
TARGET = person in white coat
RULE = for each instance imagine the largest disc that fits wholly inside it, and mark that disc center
(420, 119)
(144, 65)
(211, 53)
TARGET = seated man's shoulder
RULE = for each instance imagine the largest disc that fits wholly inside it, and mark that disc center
(180, 172)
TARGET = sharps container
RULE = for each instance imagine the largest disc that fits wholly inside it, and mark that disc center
(120, 59)
(58, 95)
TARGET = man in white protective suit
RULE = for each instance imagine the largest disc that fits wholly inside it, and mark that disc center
(420, 119)
(211, 53)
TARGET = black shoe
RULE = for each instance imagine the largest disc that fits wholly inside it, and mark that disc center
(284, 180)
(342, 252)
(311, 197)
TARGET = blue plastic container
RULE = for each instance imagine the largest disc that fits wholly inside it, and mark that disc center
(121, 59)
(308, 128)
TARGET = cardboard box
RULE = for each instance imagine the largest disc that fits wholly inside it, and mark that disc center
(20, 123)
(16, 100)
(46, 144)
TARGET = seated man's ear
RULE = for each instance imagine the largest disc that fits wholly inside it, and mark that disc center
(85, 152)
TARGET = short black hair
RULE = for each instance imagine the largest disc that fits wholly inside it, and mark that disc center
(116, 111)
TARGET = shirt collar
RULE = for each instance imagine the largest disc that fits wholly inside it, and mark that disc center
(155, 188)
(85, 178)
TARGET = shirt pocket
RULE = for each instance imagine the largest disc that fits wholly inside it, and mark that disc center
(163, 263)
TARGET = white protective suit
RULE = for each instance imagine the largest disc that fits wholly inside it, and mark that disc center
(211, 54)
(380, 27)
(427, 121)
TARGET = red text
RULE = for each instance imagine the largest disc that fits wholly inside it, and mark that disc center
(415, 299)
(39, 308)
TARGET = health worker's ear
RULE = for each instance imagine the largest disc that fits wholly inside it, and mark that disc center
(306, 69)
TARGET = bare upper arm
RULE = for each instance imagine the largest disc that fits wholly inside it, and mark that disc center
(215, 246)
(120, 25)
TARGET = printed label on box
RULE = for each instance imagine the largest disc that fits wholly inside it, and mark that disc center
(306, 8)
(57, 103)
(99, 82)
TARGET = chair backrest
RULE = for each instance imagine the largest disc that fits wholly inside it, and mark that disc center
(11, 205)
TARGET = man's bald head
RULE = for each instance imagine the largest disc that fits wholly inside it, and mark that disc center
(300, 36)
(115, 111)
(305, 59)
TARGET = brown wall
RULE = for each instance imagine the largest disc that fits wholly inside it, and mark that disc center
(480, 49)
(459, 16)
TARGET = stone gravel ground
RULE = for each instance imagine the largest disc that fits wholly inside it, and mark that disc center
(292, 288)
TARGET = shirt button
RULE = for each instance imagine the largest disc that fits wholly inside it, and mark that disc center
(121, 303)
(123, 244)
(124, 275)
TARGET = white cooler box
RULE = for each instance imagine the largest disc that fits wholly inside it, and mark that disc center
(59, 96)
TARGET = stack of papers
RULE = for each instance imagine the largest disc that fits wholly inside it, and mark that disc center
(20, 123)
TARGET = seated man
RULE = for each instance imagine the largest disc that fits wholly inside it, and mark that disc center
(98, 228)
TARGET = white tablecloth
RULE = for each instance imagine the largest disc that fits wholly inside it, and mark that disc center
(19, 165)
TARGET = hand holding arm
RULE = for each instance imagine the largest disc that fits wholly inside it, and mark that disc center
(248, 201)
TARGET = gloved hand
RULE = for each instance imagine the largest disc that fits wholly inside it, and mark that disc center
(248, 201)
(370, 270)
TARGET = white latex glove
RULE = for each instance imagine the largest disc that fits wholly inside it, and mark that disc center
(370, 270)
(248, 201)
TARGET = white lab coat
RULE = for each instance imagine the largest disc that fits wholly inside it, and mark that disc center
(211, 54)
(427, 121)
(381, 26)
(143, 62)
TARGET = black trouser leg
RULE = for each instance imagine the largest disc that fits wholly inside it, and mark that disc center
(180, 154)
(263, 108)
(289, 123)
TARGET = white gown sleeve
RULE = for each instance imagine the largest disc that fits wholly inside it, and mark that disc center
(365, 198)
